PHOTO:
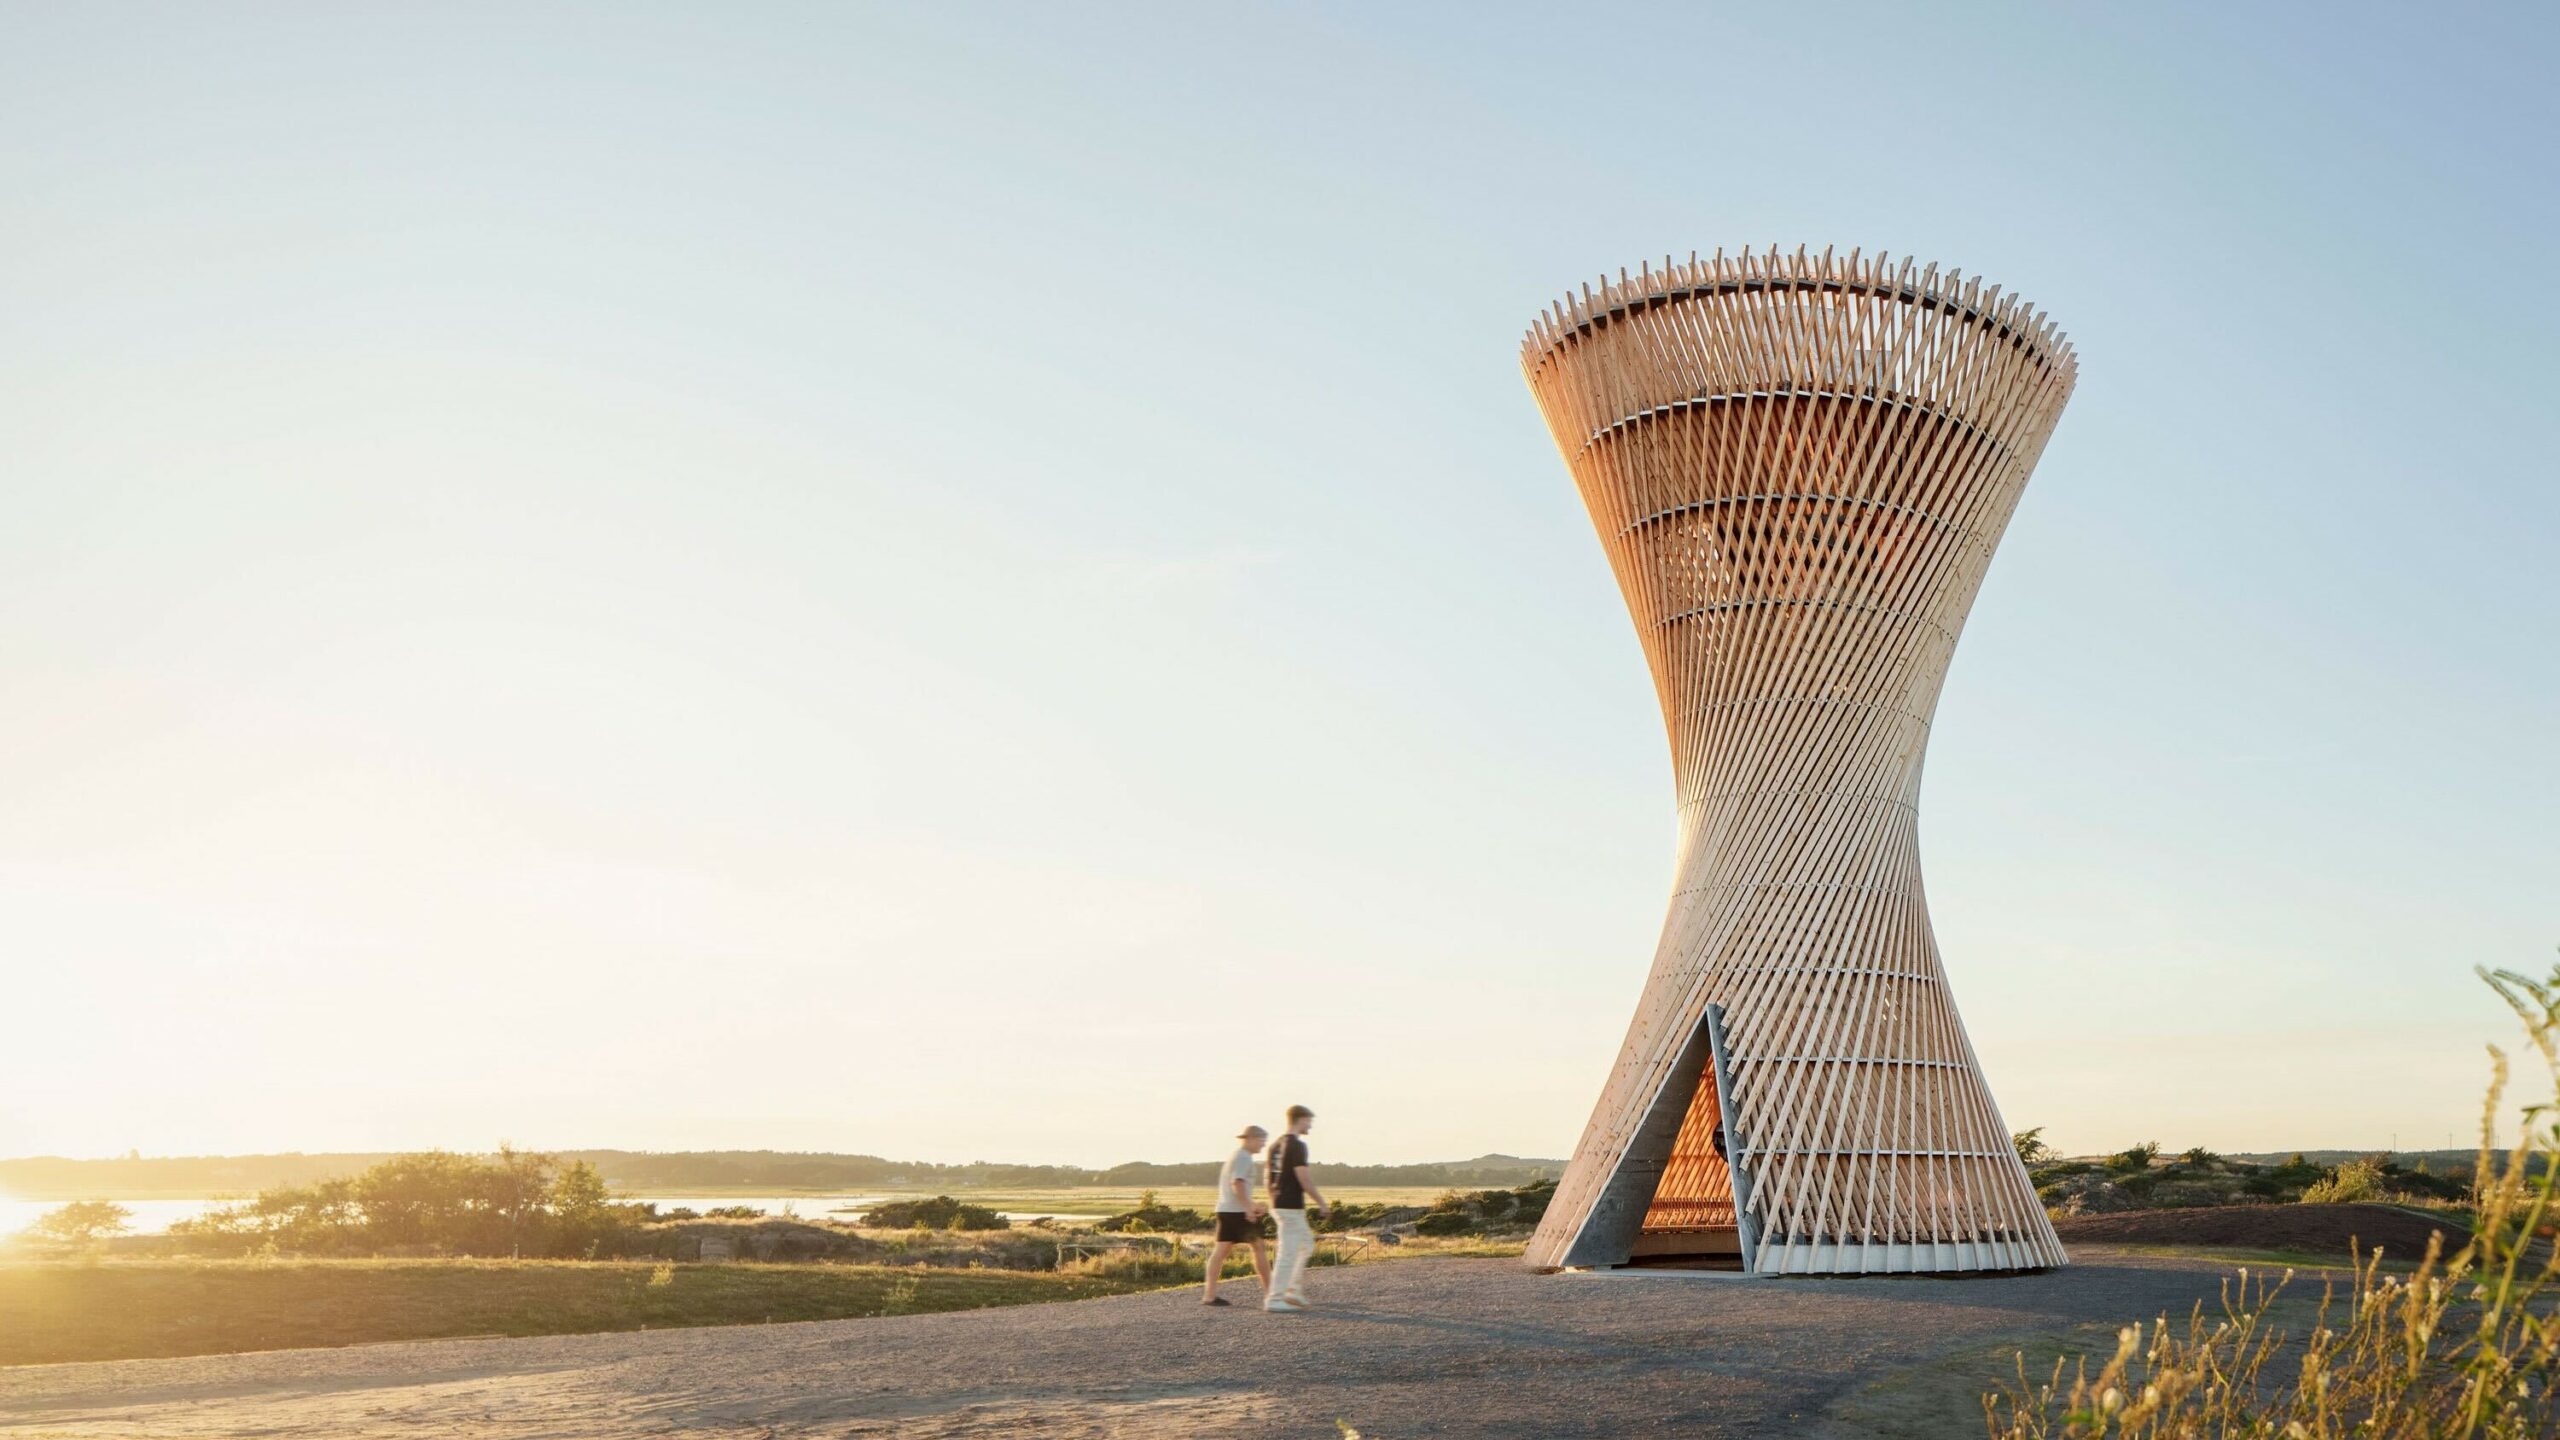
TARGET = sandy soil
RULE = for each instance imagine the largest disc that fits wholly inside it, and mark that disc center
(1416, 1348)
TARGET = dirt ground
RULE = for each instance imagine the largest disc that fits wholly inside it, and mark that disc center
(1413, 1348)
(2310, 1229)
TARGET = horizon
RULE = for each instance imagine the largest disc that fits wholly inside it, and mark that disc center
(2416, 1152)
(988, 579)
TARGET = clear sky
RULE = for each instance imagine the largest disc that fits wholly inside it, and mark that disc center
(981, 582)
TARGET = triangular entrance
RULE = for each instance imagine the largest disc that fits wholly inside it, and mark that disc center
(1691, 1216)
(1676, 1197)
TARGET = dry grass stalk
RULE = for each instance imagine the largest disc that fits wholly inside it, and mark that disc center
(2461, 1348)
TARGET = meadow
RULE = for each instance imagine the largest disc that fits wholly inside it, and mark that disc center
(115, 1309)
(126, 1308)
(1098, 1201)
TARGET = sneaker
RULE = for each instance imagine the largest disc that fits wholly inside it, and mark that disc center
(1216, 1300)
(1283, 1307)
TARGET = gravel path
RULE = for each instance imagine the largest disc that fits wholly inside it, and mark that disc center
(1411, 1348)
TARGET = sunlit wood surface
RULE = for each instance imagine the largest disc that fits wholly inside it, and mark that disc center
(1799, 465)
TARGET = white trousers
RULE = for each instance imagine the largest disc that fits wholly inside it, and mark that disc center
(1297, 1242)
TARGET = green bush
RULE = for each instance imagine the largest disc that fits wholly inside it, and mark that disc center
(2032, 1151)
(939, 1213)
(1353, 1217)
(2135, 1160)
(1476, 1212)
(82, 1224)
(511, 1203)
(2354, 1183)
(1154, 1219)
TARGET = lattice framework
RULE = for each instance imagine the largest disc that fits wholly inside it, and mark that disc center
(1799, 466)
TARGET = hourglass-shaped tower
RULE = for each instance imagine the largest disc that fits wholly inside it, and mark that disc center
(1799, 466)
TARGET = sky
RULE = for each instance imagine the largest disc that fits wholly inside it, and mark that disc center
(981, 582)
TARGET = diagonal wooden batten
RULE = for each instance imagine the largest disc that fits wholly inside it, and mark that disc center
(1799, 466)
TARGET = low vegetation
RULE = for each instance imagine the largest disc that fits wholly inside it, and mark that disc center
(941, 1212)
(724, 1171)
(1487, 1212)
(81, 1225)
(2140, 1179)
(514, 1203)
(2465, 1347)
(1160, 1265)
(1152, 1216)
(122, 1309)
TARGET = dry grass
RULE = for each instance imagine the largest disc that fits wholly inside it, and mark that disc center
(2460, 1348)
(1094, 1202)
(128, 1309)
(1447, 1247)
(1151, 1265)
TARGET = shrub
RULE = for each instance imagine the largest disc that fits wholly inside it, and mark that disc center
(2032, 1151)
(939, 1213)
(2085, 1193)
(1475, 1212)
(82, 1223)
(2135, 1160)
(1355, 1216)
(2353, 1183)
(1152, 1216)
(513, 1203)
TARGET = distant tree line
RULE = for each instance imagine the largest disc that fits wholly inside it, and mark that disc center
(512, 1203)
(645, 1171)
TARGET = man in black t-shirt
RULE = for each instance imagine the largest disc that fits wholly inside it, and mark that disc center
(1290, 1188)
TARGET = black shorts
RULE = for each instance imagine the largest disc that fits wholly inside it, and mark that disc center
(1235, 1225)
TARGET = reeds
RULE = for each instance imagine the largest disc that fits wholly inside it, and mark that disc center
(2461, 1348)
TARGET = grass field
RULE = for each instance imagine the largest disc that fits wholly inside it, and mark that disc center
(1097, 1202)
(123, 1309)
(128, 1309)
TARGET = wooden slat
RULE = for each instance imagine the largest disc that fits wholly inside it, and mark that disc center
(1799, 467)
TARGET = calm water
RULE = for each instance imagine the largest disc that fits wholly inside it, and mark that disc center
(150, 1217)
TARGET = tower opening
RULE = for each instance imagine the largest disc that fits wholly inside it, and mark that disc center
(1692, 1217)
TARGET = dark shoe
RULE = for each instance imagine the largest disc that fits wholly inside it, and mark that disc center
(1215, 1300)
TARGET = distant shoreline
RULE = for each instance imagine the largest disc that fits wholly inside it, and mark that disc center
(710, 1174)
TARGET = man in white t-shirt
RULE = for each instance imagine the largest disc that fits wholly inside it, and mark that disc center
(1239, 1217)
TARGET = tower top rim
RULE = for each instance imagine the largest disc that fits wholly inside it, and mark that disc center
(2008, 316)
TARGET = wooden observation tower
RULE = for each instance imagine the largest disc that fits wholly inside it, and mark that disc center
(1799, 466)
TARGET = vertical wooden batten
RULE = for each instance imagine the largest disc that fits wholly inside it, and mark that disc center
(1799, 466)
